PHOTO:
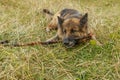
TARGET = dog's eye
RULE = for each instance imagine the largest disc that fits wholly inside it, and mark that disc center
(73, 31)
(64, 31)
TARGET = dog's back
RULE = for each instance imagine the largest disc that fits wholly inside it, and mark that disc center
(69, 13)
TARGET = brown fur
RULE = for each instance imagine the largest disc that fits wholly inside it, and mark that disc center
(70, 25)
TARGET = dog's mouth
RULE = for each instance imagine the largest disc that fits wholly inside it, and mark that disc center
(70, 44)
(73, 42)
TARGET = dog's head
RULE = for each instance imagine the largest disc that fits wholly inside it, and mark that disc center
(71, 29)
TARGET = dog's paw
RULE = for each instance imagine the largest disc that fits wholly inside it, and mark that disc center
(99, 44)
(47, 29)
(95, 42)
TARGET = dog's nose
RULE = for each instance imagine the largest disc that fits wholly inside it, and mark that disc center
(66, 42)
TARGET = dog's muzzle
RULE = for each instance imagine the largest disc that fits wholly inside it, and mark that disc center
(69, 42)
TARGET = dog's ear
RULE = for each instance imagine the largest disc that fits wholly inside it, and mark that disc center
(60, 21)
(84, 20)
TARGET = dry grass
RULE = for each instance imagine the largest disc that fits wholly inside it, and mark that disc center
(22, 21)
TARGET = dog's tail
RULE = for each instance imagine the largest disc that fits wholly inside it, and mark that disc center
(48, 12)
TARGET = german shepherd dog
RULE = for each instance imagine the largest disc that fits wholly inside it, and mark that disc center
(70, 25)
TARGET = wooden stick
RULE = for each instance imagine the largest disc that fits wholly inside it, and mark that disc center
(6, 42)
(36, 43)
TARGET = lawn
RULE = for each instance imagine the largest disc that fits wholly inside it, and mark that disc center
(23, 21)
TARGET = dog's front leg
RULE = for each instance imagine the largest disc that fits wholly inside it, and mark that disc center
(97, 42)
(54, 38)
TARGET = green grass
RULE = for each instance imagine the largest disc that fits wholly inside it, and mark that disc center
(22, 21)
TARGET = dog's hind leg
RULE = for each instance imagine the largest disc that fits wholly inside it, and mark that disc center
(53, 23)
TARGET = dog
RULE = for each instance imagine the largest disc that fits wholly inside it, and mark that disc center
(70, 25)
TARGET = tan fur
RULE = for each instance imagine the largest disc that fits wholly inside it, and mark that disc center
(71, 27)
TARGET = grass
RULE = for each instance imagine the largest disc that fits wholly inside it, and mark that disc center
(22, 21)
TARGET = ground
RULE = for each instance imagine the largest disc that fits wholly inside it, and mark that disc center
(23, 21)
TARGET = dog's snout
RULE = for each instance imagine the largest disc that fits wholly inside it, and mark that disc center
(66, 42)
